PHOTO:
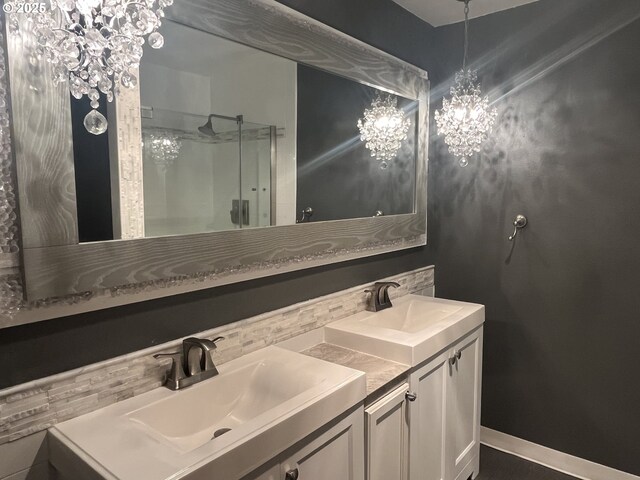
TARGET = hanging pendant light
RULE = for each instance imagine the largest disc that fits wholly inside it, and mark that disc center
(164, 147)
(95, 46)
(466, 118)
(383, 128)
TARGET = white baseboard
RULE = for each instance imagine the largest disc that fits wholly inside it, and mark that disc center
(562, 462)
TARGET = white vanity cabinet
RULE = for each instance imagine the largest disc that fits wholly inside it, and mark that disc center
(445, 417)
(334, 454)
(386, 423)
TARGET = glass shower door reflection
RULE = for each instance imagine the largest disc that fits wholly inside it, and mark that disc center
(205, 173)
(258, 150)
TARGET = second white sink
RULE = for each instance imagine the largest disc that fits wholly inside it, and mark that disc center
(412, 316)
(410, 332)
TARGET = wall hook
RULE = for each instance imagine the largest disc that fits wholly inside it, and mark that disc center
(519, 223)
(307, 213)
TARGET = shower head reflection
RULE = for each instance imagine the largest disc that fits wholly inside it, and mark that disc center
(207, 128)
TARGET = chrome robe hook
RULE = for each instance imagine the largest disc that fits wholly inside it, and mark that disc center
(519, 223)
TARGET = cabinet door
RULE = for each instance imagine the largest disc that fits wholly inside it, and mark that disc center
(463, 422)
(337, 454)
(427, 417)
(388, 437)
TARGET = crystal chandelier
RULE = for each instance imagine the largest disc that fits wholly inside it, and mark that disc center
(96, 45)
(466, 118)
(164, 147)
(383, 128)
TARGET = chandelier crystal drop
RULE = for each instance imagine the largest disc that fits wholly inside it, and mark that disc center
(383, 128)
(466, 118)
(96, 45)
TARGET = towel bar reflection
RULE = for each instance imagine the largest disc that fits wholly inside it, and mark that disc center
(519, 223)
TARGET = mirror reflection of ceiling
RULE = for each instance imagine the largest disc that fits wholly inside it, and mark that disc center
(445, 12)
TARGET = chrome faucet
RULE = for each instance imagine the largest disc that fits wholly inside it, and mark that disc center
(193, 364)
(379, 299)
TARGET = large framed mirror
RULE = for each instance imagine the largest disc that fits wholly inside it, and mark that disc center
(247, 147)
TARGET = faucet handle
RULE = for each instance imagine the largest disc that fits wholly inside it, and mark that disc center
(384, 285)
(176, 373)
(203, 343)
(379, 299)
(383, 291)
(206, 346)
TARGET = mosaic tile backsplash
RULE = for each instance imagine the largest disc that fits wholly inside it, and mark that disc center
(35, 406)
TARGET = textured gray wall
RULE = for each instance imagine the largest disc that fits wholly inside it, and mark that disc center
(563, 311)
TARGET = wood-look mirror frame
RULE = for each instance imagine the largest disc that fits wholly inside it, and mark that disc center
(55, 264)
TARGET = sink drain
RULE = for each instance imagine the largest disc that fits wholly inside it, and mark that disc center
(220, 431)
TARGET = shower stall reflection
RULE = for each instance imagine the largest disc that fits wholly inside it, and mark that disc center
(205, 173)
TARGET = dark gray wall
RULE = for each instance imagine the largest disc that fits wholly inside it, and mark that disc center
(336, 175)
(563, 312)
(37, 350)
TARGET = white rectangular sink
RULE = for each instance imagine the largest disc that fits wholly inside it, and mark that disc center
(413, 330)
(412, 316)
(269, 400)
(191, 418)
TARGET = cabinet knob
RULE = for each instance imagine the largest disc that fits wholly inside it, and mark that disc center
(453, 360)
(410, 396)
(458, 354)
(292, 474)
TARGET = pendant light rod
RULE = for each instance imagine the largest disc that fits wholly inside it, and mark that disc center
(466, 33)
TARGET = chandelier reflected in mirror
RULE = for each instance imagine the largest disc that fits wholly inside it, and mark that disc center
(164, 147)
(383, 128)
(94, 45)
(466, 118)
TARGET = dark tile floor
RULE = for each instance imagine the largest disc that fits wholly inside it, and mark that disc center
(496, 465)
